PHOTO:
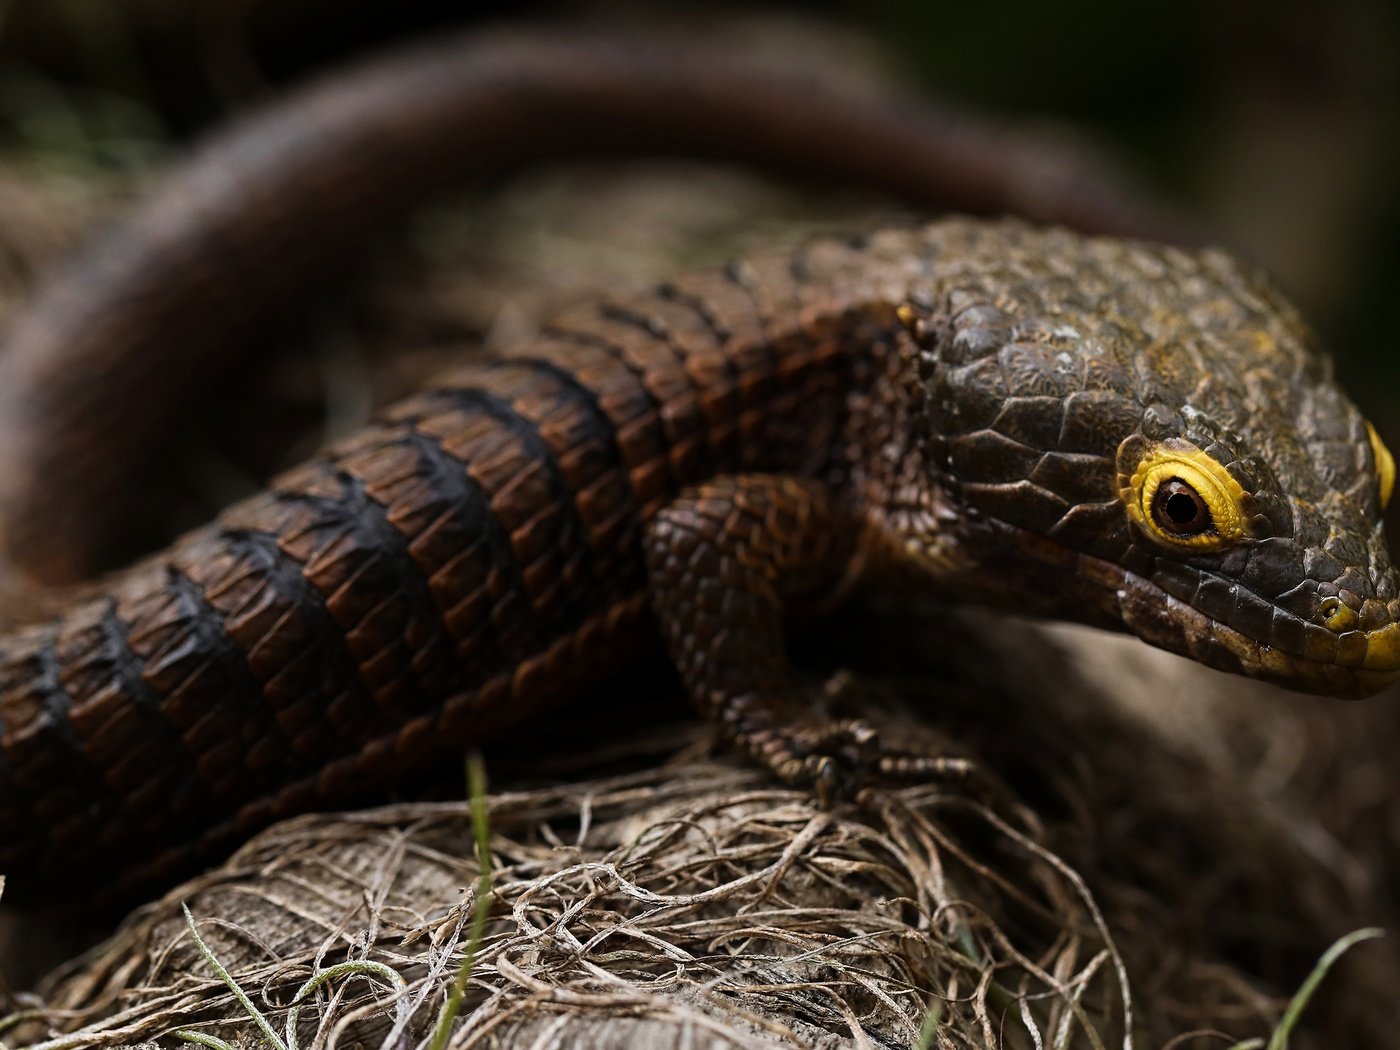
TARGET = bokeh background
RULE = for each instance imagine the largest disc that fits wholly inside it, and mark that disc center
(1279, 122)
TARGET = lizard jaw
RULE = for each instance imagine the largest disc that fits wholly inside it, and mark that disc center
(1117, 597)
(1163, 620)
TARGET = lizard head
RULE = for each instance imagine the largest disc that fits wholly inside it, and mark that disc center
(1150, 437)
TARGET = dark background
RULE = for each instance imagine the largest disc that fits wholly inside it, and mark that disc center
(1277, 122)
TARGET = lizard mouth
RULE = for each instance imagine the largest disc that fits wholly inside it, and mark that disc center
(1366, 665)
(1170, 623)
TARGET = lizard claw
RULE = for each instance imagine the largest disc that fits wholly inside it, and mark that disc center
(836, 758)
(825, 781)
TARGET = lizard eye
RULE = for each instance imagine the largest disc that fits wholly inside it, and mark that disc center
(1182, 497)
(1177, 508)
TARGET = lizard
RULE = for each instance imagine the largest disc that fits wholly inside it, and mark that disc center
(1098, 429)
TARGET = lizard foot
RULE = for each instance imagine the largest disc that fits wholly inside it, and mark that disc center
(836, 757)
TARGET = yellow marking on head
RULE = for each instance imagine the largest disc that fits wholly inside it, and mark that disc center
(1385, 465)
(1180, 461)
(911, 319)
(1383, 649)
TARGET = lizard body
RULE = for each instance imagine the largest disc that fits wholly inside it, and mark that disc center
(1106, 431)
(1129, 435)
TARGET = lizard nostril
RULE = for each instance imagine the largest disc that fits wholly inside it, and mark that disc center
(1336, 614)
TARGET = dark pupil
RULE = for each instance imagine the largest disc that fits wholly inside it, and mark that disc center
(1180, 509)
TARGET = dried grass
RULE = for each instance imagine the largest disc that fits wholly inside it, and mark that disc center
(1106, 889)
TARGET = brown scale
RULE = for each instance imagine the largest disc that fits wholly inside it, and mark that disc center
(472, 554)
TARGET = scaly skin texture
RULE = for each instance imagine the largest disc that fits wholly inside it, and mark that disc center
(955, 408)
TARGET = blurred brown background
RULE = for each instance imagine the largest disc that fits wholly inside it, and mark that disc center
(1277, 121)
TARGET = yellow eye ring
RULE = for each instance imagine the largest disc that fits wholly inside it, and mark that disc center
(1385, 465)
(1183, 498)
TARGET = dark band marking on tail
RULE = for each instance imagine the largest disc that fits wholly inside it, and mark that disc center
(334, 661)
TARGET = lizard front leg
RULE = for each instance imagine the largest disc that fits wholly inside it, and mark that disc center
(725, 562)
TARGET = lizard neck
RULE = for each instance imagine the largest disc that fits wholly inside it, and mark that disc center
(781, 364)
